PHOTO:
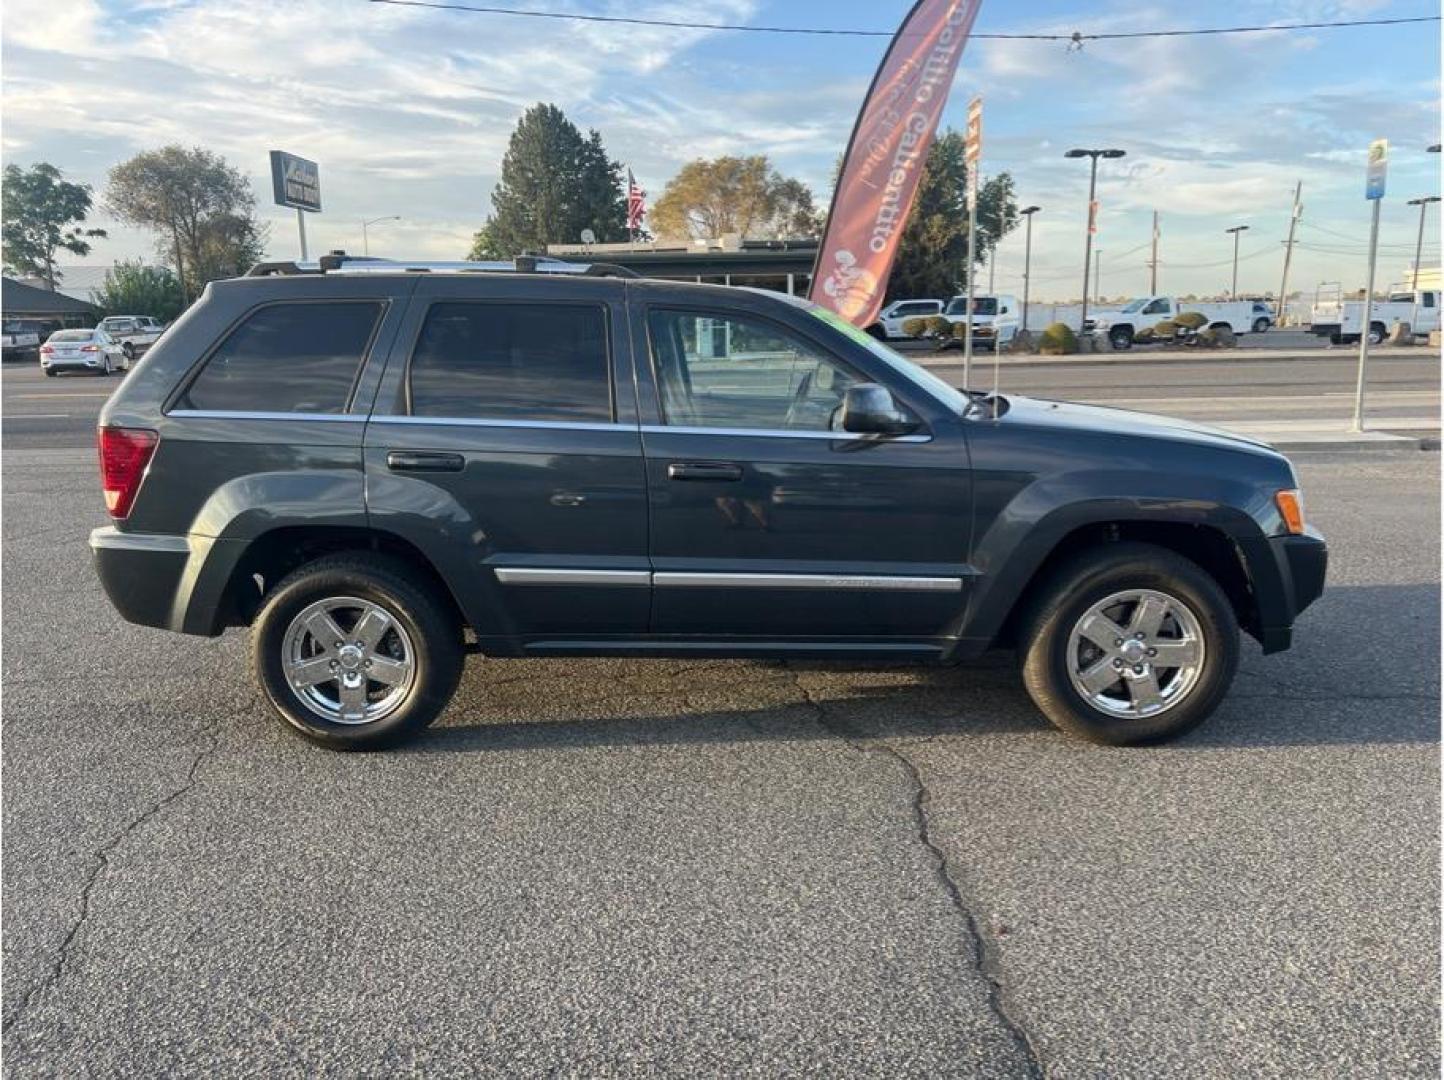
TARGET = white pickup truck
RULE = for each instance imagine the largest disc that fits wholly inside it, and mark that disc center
(890, 319)
(995, 317)
(135, 333)
(1120, 325)
(1341, 321)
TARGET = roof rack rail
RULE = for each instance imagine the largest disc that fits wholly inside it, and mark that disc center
(335, 262)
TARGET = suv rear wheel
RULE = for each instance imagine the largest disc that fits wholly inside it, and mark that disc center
(1130, 644)
(355, 653)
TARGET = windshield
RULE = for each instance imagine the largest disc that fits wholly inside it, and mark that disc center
(1135, 305)
(982, 305)
(923, 379)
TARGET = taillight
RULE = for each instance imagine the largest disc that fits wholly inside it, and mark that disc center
(47, 350)
(124, 455)
(90, 348)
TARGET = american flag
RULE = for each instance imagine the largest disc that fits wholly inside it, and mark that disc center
(636, 203)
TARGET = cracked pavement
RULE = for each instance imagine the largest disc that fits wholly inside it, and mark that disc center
(595, 867)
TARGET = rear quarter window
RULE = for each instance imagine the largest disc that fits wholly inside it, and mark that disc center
(297, 358)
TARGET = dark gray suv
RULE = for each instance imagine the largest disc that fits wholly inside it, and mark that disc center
(380, 469)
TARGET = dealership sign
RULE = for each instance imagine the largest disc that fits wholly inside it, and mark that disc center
(296, 181)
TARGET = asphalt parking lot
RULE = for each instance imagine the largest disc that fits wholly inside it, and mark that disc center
(696, 868)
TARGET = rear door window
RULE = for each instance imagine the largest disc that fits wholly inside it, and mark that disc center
(288, 358)
(477, 360)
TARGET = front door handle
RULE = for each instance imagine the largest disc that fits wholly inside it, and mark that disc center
(424, 461)
(704, 470)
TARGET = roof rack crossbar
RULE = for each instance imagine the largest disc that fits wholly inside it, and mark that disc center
(339, 262)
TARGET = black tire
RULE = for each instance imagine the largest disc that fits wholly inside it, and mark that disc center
(1260, 326)
(1377, 333)
(426, 618)
(1336, 338)
(49, 374)
(1092, 576)
(1121, 337)
(876, 331)
(128, 350)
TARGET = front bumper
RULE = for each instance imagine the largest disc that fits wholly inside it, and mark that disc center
(1299, 564)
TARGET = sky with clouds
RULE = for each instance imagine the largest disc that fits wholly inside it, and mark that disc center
(408, 111)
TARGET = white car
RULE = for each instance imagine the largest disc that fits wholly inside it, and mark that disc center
(82, 350)
(890, 319)
(133, 333)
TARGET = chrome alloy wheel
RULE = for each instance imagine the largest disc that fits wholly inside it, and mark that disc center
(348, 660)
(1136, 653)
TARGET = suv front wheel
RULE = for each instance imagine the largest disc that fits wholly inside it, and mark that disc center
(355, 653)
(1129, 644)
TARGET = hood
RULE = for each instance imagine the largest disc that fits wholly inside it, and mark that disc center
(1103, 420)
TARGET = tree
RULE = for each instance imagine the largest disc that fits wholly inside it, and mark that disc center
(554, 183)
(40, 212)
(133, 288)
(202, 205)
(743, 195)
(933, 257)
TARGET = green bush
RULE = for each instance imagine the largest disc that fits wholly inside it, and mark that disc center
(938, 327)
(1058, 339)
(1221, 337)
(1167, 330)
(1145, 333)
(1191, 320)
(915, 327)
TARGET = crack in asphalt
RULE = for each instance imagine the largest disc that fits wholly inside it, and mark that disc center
(101, 864)
(985, 960)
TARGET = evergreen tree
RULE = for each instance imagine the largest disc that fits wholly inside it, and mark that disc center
(554, 183)
(933, 255)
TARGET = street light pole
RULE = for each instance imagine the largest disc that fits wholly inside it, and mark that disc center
(1027, 213)
(1233, 290)
(1092, 216)
(365, 240)
(1423, 205)
(1098, 276)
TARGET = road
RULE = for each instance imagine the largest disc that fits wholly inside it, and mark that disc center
(700, 868)
(60, 412)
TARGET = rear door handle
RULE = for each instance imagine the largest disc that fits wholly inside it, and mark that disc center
(704, 470)
(424, 461)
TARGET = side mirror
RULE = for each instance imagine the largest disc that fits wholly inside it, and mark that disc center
(869, 409)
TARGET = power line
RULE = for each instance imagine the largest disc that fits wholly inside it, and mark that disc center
(1076, 38)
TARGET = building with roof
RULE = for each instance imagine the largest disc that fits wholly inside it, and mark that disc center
(21, 301)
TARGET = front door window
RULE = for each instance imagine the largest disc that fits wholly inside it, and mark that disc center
(730, 371)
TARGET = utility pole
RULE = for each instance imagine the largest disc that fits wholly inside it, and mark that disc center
(1233, 289)
(1153, 262)
(1297, 213)
(992, 265)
